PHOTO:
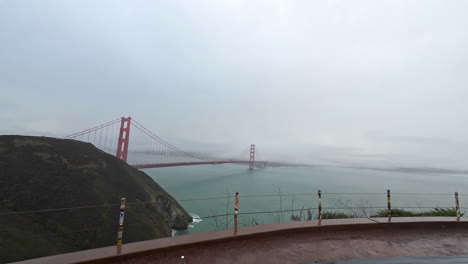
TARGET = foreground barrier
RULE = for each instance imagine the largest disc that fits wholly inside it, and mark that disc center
(389, 206)
(97, 237)
(236, 211)
(319, 205)
(121, 223)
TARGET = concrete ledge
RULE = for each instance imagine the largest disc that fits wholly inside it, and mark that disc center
(140, 249)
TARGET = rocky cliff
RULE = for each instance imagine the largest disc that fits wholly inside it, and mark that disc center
(40, 173)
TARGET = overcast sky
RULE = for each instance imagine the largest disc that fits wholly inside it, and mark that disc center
(375, 83)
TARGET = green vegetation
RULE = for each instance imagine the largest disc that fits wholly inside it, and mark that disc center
(46, 173)
(337, 215)
(404, 213)
(395, 213)
(381, 213)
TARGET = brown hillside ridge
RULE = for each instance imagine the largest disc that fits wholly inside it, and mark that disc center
(47, 173)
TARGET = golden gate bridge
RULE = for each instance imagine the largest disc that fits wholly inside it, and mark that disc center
(144, 149)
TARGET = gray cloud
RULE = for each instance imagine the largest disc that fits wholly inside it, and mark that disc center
(309, 81)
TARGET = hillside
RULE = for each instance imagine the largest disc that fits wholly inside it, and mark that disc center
(46, 173)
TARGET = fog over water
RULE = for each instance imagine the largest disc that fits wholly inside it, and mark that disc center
(347, 83)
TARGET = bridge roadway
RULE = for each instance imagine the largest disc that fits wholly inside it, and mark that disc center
(213, 162)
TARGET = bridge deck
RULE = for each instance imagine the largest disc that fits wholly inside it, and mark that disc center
(212, 162)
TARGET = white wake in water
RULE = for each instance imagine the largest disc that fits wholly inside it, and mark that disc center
(195, 220)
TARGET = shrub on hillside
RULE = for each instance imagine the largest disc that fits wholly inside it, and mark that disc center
(336, 215)
(404, 213)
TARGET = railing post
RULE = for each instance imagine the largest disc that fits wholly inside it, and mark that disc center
(121, 222)
(457, 206)
(389, 206)
(319, 205)
(236, 210)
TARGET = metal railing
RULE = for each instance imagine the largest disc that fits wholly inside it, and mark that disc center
(90, 235)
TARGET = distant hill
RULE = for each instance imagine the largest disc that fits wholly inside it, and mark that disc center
(46, 173)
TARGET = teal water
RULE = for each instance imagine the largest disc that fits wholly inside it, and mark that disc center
(218, 180)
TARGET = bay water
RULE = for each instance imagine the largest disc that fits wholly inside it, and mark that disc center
(359, 191)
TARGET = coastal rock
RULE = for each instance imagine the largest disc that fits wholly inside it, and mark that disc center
(42, 173)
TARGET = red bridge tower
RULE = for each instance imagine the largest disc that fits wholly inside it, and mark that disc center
(252, 157)
(124, 136)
